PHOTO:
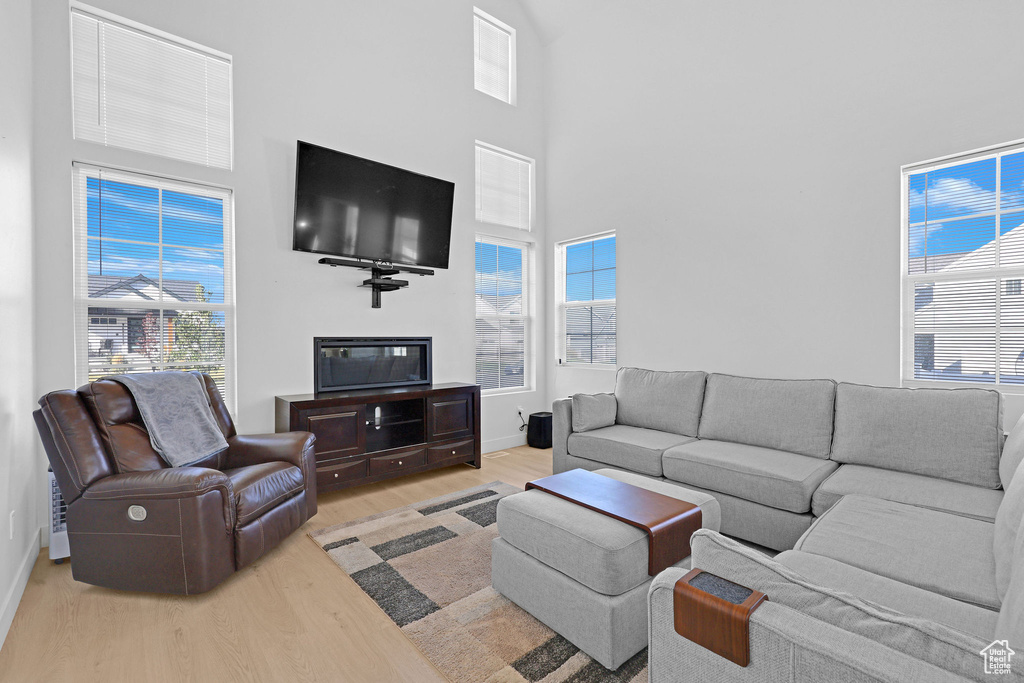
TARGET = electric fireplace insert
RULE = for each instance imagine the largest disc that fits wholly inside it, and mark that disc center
(341, 363)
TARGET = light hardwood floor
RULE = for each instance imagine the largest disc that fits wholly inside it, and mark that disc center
(291, 616)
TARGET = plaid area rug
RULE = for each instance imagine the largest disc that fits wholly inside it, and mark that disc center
(428, 566)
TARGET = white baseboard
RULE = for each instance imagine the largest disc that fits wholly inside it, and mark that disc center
(503, 443)
(17, 589)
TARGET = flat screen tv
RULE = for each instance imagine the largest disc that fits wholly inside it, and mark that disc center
(356, 208)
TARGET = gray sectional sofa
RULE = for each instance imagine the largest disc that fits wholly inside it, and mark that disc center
(899, 512)
(776, 454)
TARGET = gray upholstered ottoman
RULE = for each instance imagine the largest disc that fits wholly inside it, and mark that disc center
(582, 573)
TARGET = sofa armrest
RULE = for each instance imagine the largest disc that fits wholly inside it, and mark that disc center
(785, 645)
(296, 448)
(561, 428)
(927, 641)
(172, 482)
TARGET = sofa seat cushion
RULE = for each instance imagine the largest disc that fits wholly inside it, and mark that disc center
(912, 489)
(631, 448)
(258, 488)
(937, 551)
(777, 479)
(902, 597)
(602, 553)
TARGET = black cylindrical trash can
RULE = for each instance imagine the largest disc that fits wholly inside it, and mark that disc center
(538, 434)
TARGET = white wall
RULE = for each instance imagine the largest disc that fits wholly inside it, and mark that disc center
(748, 155)
(392, 81)
(21, 485)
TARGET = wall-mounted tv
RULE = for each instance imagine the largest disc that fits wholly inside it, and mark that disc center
(357, 208)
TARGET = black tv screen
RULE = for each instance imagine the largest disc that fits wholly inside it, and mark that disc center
(356, 208)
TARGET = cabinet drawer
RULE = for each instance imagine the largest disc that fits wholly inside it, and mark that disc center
(328, 475)
(397, 461)
(450, 451)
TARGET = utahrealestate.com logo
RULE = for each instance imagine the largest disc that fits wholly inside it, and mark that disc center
(997, 657)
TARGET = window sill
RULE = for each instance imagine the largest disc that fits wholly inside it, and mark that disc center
(587, 366)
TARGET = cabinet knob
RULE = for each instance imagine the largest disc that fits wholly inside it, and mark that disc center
(453, 451)
(335, 475)
(399, 462)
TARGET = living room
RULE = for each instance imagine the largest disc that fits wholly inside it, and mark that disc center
(750, 160)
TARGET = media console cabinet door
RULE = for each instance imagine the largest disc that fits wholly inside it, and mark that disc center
(449, 417)
(339, 431)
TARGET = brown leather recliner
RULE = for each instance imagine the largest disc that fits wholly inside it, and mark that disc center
(134, 523)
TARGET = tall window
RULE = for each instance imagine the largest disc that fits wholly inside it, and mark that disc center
(963, 312)
(494, 57)
(154, 282)
(502, 314)
(142, 89)
(586, 302)
(504, 187)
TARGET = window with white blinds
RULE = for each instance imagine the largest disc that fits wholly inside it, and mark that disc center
(504, 187)
(142, 89)
(963, 308)
(494, 57)
(154, 277)
(586, 302)
(502, 314)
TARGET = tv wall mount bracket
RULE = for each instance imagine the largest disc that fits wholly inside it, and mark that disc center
(380, 279)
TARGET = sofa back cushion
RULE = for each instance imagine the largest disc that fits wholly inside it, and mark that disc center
(666, 401)
(954, 434)
(592, 411)
(792, 415)
(1009, 519)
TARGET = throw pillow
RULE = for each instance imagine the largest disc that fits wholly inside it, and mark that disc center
(592, 411)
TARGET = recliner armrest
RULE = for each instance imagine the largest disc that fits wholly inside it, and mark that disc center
(296, 448)
(252, 449)
(173, 482)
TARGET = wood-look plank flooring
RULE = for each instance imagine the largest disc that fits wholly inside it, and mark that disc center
(291, 616)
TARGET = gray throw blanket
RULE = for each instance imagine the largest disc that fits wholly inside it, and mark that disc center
(176, 411)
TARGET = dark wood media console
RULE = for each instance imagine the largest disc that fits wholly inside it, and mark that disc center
(367, 435)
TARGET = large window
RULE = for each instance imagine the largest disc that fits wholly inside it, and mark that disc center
(963, 311)
(494, 57)
(502, 314)
(153, 276)
(586, 302)
(142, 89)
(504, 187)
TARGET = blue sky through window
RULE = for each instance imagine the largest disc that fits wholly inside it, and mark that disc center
(124, 223)
(942, 205)
(590, 270)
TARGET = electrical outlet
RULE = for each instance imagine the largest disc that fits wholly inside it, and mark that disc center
(11, 532)
(520, 409)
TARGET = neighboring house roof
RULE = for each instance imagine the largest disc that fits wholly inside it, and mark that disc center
(141, 288)
(1012, 242)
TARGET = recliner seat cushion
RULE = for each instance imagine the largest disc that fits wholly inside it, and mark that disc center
(631, 448)
(792, 415)
(260, 488)
(912, 489)
(665, 401)
(954, 434)
(774, 478)
(937, 551)
(902, 597)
